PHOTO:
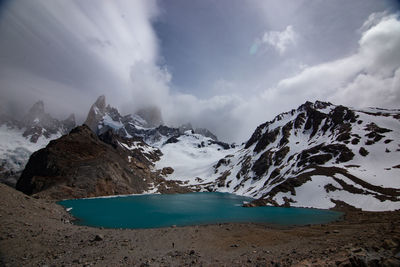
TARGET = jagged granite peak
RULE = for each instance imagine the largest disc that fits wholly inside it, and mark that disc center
(101, 102)
(96, 113)
(152, 115)
(37, 108)
(38, 123)
(146, 123)
(81, 164)
(35, 114)
(102, 117)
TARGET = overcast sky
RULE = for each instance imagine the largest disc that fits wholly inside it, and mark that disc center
(227, 65)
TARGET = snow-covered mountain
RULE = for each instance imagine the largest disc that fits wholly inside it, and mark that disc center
(116, 160)
(146, 123)
(186, 152)
(191, 156)
(319, 155)
(82, 164)
(20, 138)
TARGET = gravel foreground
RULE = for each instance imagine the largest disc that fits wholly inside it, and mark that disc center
(36, 232)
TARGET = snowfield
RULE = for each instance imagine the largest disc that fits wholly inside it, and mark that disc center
(192, 157)
(15, 149)
(282, 170)
(315, 156)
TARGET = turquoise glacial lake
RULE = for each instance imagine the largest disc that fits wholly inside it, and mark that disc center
(153, 211)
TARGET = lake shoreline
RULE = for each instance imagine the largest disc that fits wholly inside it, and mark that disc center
(37, 232)
(189, 209)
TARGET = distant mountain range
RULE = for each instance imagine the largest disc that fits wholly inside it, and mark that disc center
(20, 138)
(146, 123)
(319, 155)
(110, 154)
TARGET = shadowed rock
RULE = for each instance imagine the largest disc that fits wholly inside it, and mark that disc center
(81, 165)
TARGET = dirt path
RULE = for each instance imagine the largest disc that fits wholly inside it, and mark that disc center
(36, 232)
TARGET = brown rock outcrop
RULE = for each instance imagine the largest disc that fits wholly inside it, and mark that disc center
(81, 165)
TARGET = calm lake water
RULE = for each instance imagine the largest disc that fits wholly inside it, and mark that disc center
(152, 211)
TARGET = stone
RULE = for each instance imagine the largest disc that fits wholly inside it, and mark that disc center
(167, 170)
(389, 244)
(99, 237)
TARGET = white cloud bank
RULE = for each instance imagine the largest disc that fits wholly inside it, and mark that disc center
(67, 52)
(110, 47)
(368, 77)
(280, 40)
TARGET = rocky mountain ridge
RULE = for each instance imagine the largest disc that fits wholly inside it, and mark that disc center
(82, 164)
(319, 155)
(106, 157)
(20, 138)
(146, 123)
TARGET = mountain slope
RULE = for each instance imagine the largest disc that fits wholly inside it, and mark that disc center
(81, 164)
(20, 138)
(186, 152)
(319, 155)
(190, 155)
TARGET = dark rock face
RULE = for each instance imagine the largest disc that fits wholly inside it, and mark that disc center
(314, 119)
(256, 135)
(96, 112)
(172, 140)
(262, 164)
(82, 165)
(222, 144)
(313, 155)
(266, 139)
(363, 152)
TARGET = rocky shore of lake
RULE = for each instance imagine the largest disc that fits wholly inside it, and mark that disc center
(38, 232)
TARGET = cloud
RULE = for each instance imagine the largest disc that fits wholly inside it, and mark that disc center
(110, 47)
(373, 20)
(276, 39)
(369, 77)
(74, 51)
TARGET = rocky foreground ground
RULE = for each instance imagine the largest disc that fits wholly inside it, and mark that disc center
(35, 232)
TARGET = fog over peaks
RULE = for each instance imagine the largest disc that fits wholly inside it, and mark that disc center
(226, 66)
